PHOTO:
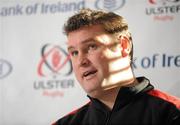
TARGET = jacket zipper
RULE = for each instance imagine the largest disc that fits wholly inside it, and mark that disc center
(108, 118)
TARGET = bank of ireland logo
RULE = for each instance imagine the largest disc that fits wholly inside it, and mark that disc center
(5, 68)
(54, 61)
(109, 5)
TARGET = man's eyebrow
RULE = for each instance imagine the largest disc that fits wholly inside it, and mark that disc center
(88, 40)
(70, 48)
(83, 42)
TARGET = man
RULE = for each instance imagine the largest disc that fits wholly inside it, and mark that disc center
(101, 51)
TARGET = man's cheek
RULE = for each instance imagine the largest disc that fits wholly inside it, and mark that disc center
(119, 73)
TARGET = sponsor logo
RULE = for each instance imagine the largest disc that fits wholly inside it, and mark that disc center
(109, 5)
(5, 68)
(41, 8)
(163, 10)
(55, 60)
(54, 70)
(62, 7)
(160, 60)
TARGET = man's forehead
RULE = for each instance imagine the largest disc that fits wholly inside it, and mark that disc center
(87, 31)
(72, 46)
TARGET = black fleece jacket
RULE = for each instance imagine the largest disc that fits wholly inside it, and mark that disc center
(138, 105)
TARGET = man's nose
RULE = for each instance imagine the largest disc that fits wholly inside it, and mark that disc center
(83, 60)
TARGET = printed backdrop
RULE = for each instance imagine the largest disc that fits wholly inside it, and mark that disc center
(37, 85)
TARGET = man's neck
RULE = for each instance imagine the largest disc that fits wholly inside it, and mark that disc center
(108, 97)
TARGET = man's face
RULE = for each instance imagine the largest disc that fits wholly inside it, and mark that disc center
(91, 57)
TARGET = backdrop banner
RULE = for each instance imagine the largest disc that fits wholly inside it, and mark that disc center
(37, 85)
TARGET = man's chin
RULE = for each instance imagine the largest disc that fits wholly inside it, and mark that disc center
(95, 93)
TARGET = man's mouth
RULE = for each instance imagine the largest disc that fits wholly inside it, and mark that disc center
(89, 73)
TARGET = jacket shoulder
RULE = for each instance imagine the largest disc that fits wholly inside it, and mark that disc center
(166, 97)
(165, 107)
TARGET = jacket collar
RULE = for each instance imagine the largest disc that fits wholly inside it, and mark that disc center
(125, 95)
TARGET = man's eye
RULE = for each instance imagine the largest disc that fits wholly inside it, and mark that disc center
(92, 47)
(74, 53)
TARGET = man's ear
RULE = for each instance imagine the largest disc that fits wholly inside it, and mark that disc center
(125, 45)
